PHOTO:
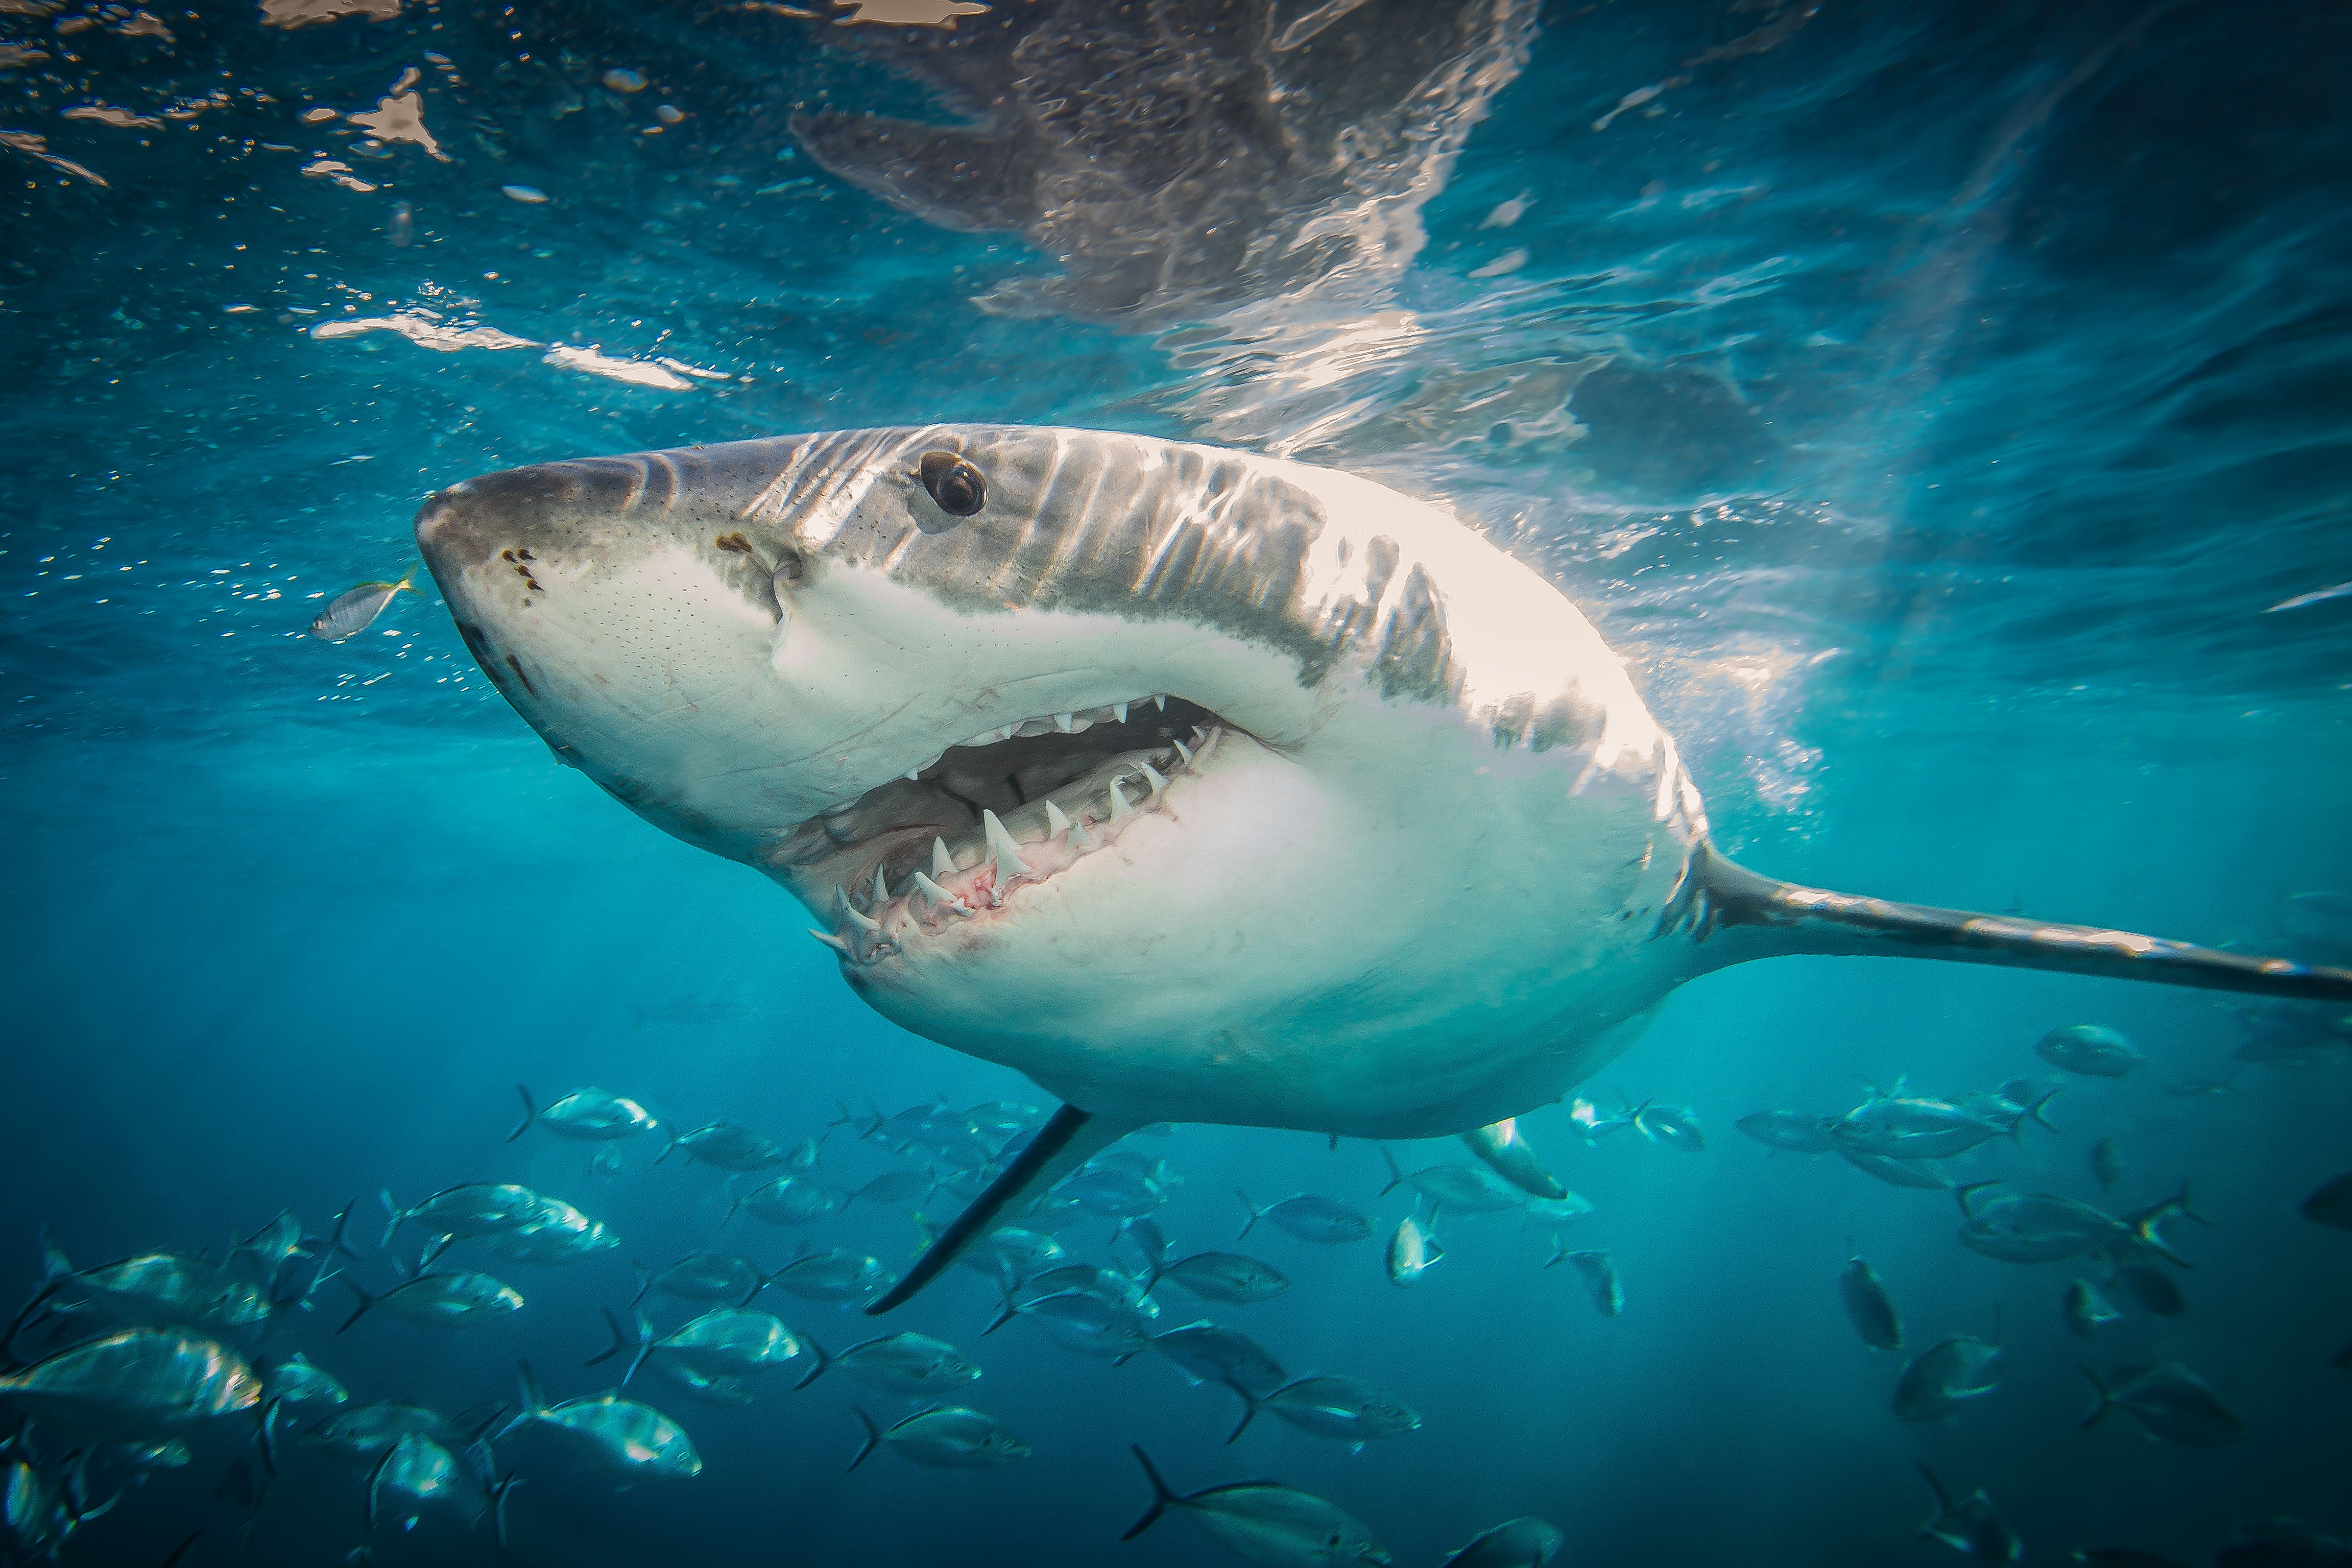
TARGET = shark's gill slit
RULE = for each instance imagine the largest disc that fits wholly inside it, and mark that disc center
(1006, 807)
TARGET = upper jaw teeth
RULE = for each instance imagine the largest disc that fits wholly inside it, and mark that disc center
(1044, 837)
(1077, 721)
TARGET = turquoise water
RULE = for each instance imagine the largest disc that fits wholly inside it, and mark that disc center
(1931, 407)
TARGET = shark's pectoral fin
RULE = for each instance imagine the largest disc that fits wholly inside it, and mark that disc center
(960, 177)
(1737, 916)
(1067, 1140)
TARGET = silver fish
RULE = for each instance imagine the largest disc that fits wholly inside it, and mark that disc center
(1088, 1324)
(728, 1146)
(550, 1241)
(1206, 1353)
(911, 1364)
(1326, 1221)
(586, 1116)
(473, 1209)
(360, 1434)
(1411, 1252)
(897, 1187)
(455, 1299)
(2107, 1164)
(2033, 1227)
(1676, 1126)
(1503, 1147)
(1795, 1131)
(1923, 1174)
(1222, 1277)
(1264, 1522)
(1346, 1409)
(2092, 1049)
(355, 610)
(156, 1289)
(949, 1437)
(136, 1382)
(733, 1342)
(1468, 1189)
(1868, 1306)
(704, 1277)
(1969, 1527)
(1556, 1212)
(2172, 1404)
(1599, 1272)
(792, 1200)
(1515, 1544)
(837, 1277)
(1909, 1128)
(609, 1432)
(296, 1381)
(1945, 1376)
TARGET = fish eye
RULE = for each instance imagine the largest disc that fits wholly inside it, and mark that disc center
(955, 484)
(791, 566)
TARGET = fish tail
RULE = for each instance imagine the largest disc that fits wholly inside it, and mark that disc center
(620, 1341)
(816, 1353)
(1396, 1176)
(55, 1265)
(531, 1400)
(530, 1114)
(365, 1300)
(335, 1241)
(1250, 1402)
(2107, 1400)
(1559, 1251)
(873, 1437)
(498, 1495)
(644, 1283)
(408, 579)
(2034, 1111)
(393, 1216)
(1943, 1498)
(266, 1438)
(375, 1483)
(1162, 1498)
(1255, 1214)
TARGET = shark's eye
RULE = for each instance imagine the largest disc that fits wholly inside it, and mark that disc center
(953, 483)
(789, 566)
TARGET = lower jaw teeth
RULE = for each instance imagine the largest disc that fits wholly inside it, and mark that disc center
(1001, 862)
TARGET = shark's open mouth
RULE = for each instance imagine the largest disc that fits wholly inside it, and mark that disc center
(1008, 807)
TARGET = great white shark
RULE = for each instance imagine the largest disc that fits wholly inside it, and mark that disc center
(1192, 784)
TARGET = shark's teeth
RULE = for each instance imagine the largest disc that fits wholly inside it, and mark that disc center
(1003, 851)
(1159, 700)
(1119, 810)
(1057, 822)
(1182, 751)
(1064, 722)
(1159, 785)
(837, 944)
(942, 863)
(1118, 711)
(857, 916)
(938, 895)
(881, 889)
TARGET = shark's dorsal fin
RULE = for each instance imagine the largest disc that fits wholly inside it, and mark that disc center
(1737, 916)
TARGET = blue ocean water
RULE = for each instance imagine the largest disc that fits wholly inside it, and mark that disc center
(1942, 408)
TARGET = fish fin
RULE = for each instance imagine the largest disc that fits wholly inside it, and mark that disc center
(1396, 1176)
(181, 1551)
(1162, 1498)
(431, 1254)
(375, 1483)
(2106, 1401)
(498, 1495)
(1255, 1214)
(1250, 1402)
(55, 1264)
(335, 1242)
(366, 1301)
(1005, 1315)
(1743, 916)
(873, 1437)
(408, 579)
(1961, 1194)
(530, 1114)
(1070, 1138)
(644, 1283)
(1559, 1250)
(823, 1361)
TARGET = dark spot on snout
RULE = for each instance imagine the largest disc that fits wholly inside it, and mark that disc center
(733, 544)
(955, 485)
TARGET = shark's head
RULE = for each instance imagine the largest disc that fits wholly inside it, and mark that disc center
(1195, 785)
